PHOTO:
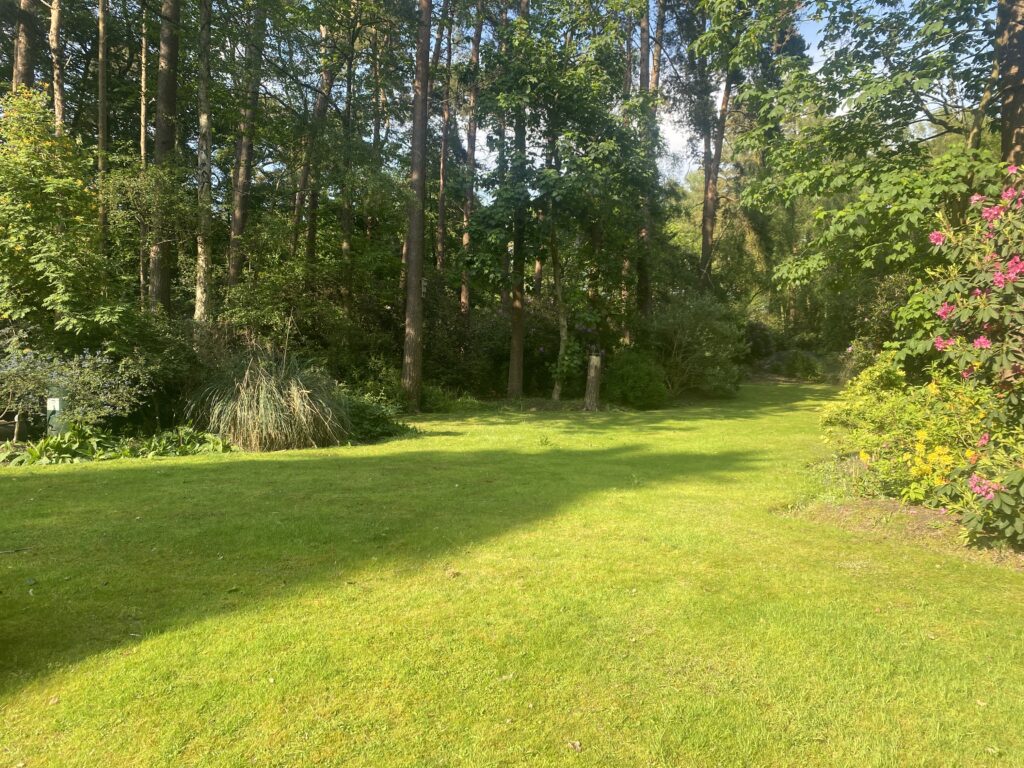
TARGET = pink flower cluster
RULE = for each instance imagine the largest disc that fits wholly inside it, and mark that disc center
(946, 310)
(942, 344)
(983, 440)
(1013, 270)
(991, 213)
(937, 238)
(976, 199)
(982, 342)
(984, 488)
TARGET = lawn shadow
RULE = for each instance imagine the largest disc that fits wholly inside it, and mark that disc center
(126, 550)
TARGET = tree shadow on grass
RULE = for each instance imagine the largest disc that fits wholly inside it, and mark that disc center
(124, 550)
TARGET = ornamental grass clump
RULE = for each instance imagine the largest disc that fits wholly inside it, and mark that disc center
(273, 404)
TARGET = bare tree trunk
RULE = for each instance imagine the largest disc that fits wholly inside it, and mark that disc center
(412, 357)
(645, 48)
(643, 275)
(307, 172)
(57, 57)
(712, 166)
(204, 167)
(103, 111)
(23, 73)
(557, 279)
(1010, 47)
(627, 83)
(143, 135)
(592, 398)
(246, 130)
(308, 141)
(163, 148)
(442, 181)
(348, 121)
(659, 34)
(143, 95)
(467, 207)
(518, 320)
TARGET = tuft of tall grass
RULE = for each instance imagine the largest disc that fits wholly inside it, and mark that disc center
(272, 404)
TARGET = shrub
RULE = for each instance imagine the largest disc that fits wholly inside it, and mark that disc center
(700, 342)
(94, 385)
(795, 364)
(369, 420)
(970, 314)
(635, 378)
(271, 404)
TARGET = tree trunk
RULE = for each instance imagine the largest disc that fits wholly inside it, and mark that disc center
(23, 73)
(442, 181)
(309, 145)
(556, 278)
(143, 135)
(163, 147)
(643, 258)
(645, 48)
(102, 113)
(592, 398)
(246, 130)
(518, 321)
(1010, 46)
(627, 83)
(204, 167)
(712, 166)
(467, 207)
(659, 33)
(346, 165)
(57, 57)
(412, 357)
(143, 96)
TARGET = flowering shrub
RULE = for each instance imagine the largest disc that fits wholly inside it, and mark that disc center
(972, 310)
(957, 441)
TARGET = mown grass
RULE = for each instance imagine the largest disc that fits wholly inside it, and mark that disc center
(507, 589)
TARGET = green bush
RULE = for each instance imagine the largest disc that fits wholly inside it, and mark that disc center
(700, 342)
(795, 364)
(268, 403)
(636, 379)
(95, 386)
(369, 420)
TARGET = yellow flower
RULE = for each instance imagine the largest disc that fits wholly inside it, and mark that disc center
(865, 457)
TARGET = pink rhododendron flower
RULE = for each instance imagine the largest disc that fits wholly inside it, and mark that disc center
(991, 213)
(1011, 170)
(982, 342)
(967, 373)
(983, 440)
(1009, 193)
(946, 310)
(937, 238)
(984, 488)
(976, 198)
(942, 344)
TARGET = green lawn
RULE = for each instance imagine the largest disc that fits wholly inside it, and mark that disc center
(507, 589)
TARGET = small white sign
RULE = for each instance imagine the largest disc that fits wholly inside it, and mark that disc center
(52, 404)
